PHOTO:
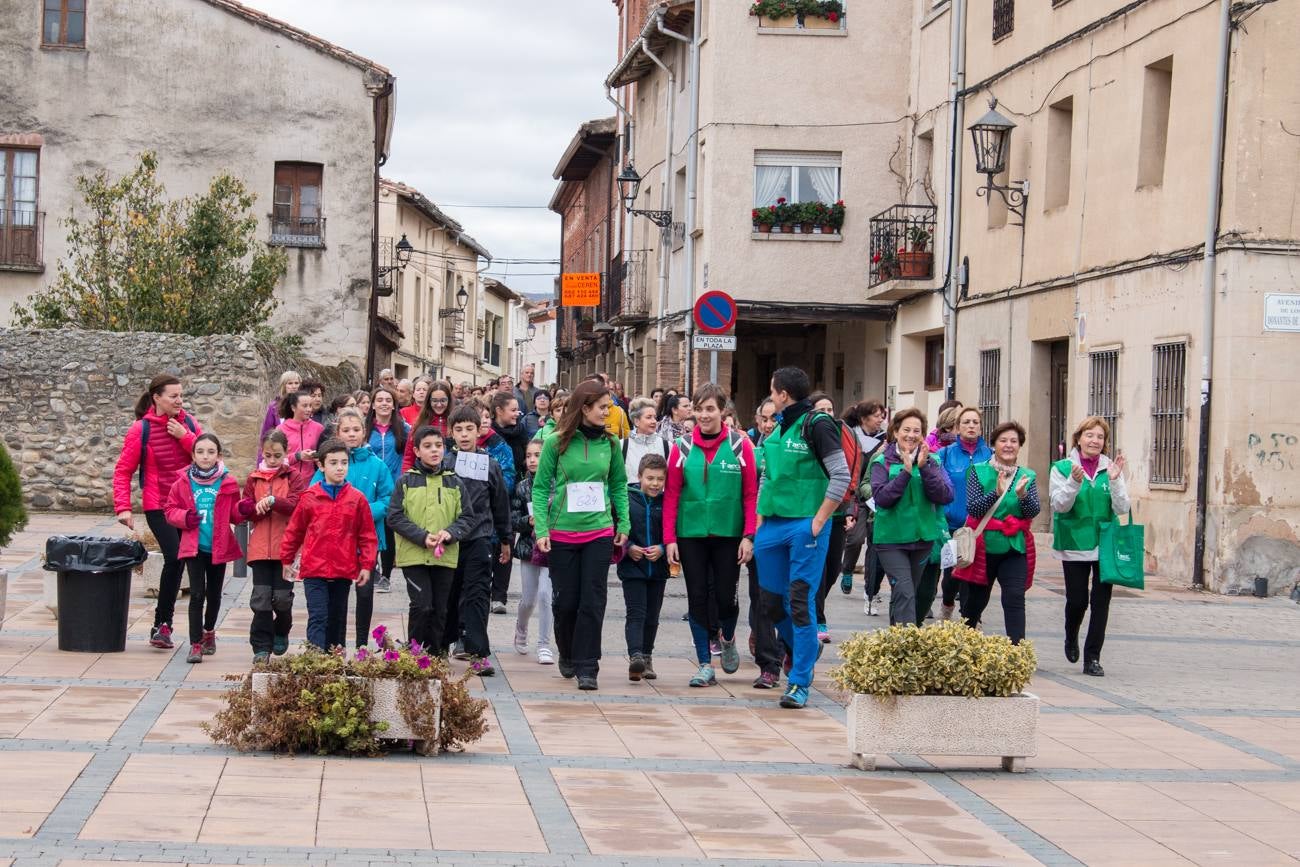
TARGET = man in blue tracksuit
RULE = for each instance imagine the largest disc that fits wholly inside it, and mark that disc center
(805, 477)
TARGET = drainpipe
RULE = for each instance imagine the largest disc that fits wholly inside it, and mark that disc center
(665, 198)
(625, 143)
(952, 200)
(372, 313)
(692, 161)
(1208, 286)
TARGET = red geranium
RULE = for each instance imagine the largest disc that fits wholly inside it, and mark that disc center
(832, 17)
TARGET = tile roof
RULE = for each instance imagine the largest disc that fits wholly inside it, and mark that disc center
(425, 206)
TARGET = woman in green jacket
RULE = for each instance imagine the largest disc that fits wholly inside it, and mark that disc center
(579, 478)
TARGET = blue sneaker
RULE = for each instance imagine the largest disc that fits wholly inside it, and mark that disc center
(846, 583)
(795, 696)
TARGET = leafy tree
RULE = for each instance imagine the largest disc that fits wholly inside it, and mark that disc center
(13, 515)
(138, 261)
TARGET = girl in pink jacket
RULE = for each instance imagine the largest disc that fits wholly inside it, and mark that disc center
(203, 504)
(157, 448)
(302, 433)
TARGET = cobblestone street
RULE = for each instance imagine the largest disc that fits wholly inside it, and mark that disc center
(1188, 751)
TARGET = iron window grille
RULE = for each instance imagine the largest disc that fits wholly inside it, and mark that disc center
(21, 237)
(902, 244)
(1103, 392)
(990, 387)
(1004, 18)
(1168, 412)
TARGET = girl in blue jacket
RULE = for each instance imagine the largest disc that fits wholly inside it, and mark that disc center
(386, 432)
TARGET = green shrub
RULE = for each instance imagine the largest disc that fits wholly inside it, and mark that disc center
(13, 515)
(946, 658)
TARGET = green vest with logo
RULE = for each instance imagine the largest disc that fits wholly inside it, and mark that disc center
(995, 541)
(434, 507)
(712, 496)
(912, 519)
(794, 483)
(1078, 529)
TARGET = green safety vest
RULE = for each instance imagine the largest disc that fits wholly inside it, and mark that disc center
(434, 506)
(911, 519)
(712, 495)
(1077, 529)
(996, 542)
(794, 484)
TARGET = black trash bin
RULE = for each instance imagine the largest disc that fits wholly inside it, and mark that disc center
(94, 589)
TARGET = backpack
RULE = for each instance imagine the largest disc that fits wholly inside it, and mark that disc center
(852, 452)
(734, 439)
(144, 441)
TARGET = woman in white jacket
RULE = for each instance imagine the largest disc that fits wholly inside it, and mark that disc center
(644, 438)
(1087, 490)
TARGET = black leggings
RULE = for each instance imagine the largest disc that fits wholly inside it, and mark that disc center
(1077, 598)
(365, 610)
(1011, 571)
(169, 587)
(206, 580)
(272, 604)
(579, 587)
(712, 575)
(831, 571)
(386, 556)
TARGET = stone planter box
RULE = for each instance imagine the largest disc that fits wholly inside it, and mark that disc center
(384, 708)
(944, 725)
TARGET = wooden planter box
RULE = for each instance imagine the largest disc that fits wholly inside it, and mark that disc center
(384, 708)
(944, 725)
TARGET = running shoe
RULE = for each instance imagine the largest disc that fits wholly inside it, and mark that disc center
(482, 667)
(846, 583)
(767, 680)
(383, 584)
(704, 677)
(823, 633)
(459, 652)
(544, 656)
(261, 656)
(869, 607)
(715, 647)
(730, 657)
(795, 697)
(587, 682)
(209, 642)
(498, 608)
(521, 640)
(196, 653)
(566, 668)
(947, 612)
(161, 637)
(280, 645)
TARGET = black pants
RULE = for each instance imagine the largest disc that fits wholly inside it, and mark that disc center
(579, 576)
(712, 575)
(365, 609)
(206, 580)
(643, 598)
(386, 556)
(767, 647)
(954, 591)
(429, 588)
(831, 571)
(501, 579)
(1077, 576)
(272, 604)
(854, 541)
(467, 603)
(907, 583)
(1011, 571)
(873, 574)
(327, 611)
(169, 586)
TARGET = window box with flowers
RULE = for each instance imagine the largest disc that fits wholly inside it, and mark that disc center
(798, 218)
(815, 15)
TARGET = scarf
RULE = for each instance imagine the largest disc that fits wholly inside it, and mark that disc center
(1090, 465)
(1003, 468)
(947, 438)
(969, 447)
(208, 476)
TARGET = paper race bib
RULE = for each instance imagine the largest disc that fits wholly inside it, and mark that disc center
(585, 496)
(472, 465)
(530, 508)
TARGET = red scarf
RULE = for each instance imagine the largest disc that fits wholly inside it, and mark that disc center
(977, 571)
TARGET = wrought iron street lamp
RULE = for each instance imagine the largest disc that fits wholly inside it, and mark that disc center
(629, 186)
(991, 135)
(462, 299)
(532, 331)
(404, 251)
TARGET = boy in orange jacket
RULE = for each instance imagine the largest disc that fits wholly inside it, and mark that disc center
(335, 531)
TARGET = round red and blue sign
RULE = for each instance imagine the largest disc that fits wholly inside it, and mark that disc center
(715, 313)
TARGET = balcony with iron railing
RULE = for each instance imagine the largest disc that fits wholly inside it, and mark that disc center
(22, 236)
(634, 295)
(290, 231)
(901, 251)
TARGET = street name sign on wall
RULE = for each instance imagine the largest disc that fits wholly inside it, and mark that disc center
(579, 290)
(715, 342)
(1281, 312)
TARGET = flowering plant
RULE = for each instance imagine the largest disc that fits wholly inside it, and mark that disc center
(837, 215)
(764, 216)
(831, 10)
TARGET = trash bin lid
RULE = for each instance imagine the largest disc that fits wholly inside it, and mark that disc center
(93, 553)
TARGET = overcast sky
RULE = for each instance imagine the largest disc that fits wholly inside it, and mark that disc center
(489, 92)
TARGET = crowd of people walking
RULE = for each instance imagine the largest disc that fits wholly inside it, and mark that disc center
(453, 484)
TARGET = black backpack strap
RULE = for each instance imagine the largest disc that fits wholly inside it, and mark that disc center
(144, 448)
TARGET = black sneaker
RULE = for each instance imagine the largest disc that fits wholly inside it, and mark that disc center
(1072, 647)
(566, 668)
(1093, 668)
(280, 645)
(587, 682)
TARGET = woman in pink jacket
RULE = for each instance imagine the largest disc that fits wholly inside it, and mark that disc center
(157, 447)
(302, 433)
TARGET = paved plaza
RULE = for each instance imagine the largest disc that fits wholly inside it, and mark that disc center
(1187, 752)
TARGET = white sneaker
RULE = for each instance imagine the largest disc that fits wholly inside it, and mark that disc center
(544, 656)
(948, 612)
(869, 607)
(521, 641)
(498, 608)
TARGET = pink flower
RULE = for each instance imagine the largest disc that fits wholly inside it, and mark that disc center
(379, 632)
(362, 654)
(781, 201)
(391, 656)
(416, 647)
(424, 662)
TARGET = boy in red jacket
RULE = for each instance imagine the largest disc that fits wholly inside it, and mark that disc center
(270, 496)
(336, 533)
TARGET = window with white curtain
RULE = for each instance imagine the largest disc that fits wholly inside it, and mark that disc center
(796, 176)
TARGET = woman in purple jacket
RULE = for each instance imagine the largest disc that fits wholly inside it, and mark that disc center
(289, 383)
(908, 490)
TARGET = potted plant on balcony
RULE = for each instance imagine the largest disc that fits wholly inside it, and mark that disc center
(807, 216)
(886, 263)
(915, 263)
(837, 216)
(785, 215)
(944, 689)
(763, 218)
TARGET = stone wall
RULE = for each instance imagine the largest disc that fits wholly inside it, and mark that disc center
(66, 398)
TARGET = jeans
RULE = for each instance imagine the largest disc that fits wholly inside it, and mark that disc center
(1077, 576)
(643, 598)
(791, 562)
(365, 608)
(712, 575)
(468, 605)
(428, 588)
(536, 594)
(327, 611)
(767, 649)
(501, 579)
(579, 578)
(1010, 570)
(169, 586)
(272, 604)
(830, 573)
(906, 571)
(206, 579)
